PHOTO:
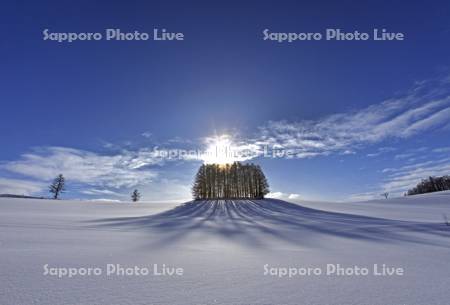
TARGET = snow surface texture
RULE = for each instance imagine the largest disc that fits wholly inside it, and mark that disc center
(222, 247)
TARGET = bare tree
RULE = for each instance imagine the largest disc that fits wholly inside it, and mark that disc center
(135, 196)
(58, 186)
(385, 195)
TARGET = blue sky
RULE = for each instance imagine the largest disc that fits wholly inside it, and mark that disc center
(358, 117)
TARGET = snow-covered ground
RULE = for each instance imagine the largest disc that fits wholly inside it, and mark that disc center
(224, 249)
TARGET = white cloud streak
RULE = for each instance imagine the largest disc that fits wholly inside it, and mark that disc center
(424, 108)
(20, 187)
(403, 117)
(285, 196)
(116, 171)
(403, 178)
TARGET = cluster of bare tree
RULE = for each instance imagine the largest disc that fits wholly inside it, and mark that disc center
(214, 181)
(432, 184)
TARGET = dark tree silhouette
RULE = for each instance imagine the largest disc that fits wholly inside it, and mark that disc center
(216, 181)
(135, 196)
(432, 184)
(58, 186)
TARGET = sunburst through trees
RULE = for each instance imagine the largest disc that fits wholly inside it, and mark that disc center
(229, 181)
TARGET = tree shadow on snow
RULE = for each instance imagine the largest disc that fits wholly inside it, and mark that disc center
(255, 222)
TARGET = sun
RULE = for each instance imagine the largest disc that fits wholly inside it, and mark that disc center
(219, 150)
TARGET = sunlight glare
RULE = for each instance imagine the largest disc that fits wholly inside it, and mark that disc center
(219, 151)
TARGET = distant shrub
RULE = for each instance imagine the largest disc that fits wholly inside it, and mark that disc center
(432, 184)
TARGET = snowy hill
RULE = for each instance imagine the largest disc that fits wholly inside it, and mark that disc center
(225, 249)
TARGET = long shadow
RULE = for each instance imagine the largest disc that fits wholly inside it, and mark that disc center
(253, 222)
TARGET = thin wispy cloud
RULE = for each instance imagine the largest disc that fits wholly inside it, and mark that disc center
(441, 150)
(424, 108)
(101, 192)
(147, 134)
(381, 151)
(405, 177)
(108, 200)
(398, 180)
(20, 186)
(109, 171)
(403, 156)
(365, 196)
